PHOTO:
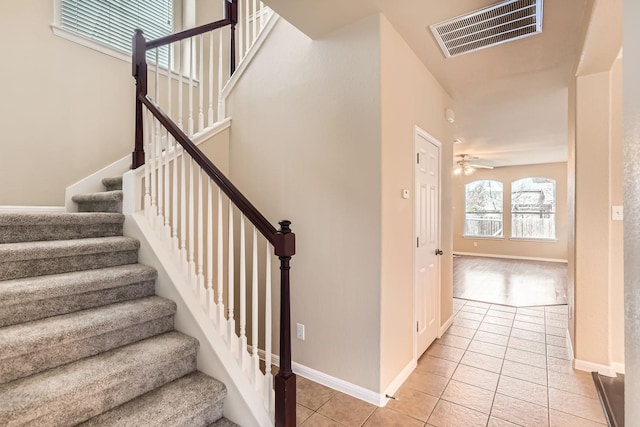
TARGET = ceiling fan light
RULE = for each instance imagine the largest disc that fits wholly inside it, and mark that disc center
(468, 170)
(457, 170)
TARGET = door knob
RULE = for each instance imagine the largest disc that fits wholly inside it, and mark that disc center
(439, 252)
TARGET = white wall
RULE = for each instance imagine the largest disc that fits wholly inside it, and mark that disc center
(305, 146)
(632, 207)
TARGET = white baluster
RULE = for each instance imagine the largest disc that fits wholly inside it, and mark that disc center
(183, 213)
(201, 84)
(210, 110)
(243, 298)
(268, 377)
(231, 323)
(220, 76)
(255, 360)
(147, 163)
(240, 31)
(210, 302)
(167, 159)
(262, 16)
(152, 155)
(180, 74)
(200, 265)
(159, 223)
(220, 267)
(191, 272)
(247, 39)
(255, 23)
(191, 71)
(174, 198)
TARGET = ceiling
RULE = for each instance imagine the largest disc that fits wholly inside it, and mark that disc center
(511, 100)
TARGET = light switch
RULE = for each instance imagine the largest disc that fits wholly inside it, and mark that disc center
(617, 213)
(405, 194)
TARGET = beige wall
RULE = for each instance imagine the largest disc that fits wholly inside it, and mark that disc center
(410, 96)
(505, 246)
(305, 146)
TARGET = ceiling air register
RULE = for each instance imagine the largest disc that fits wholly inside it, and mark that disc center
(503, 22)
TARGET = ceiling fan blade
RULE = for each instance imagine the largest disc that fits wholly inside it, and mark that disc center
(481, 166)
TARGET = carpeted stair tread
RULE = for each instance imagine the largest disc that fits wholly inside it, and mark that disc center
(32, 347)
(223, 422)
(80, 390)
(31, 227)
(105, 201)
(192, 401)
(32, 298)
(27, 259)
(112, 183)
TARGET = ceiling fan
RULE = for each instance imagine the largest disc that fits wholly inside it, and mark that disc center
(465, 166)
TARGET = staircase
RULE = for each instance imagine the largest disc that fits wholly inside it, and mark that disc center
(84, 339)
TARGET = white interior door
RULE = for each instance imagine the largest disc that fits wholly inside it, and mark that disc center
(427, 231)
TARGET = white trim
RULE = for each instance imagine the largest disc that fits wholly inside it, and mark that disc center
(343, 386)
(525, 258)
(583, 365)
(395, 385)
(570, 346)
(93, 183)
(228, 87)
(533, 239)
(445, 326)
(618, 367)
(32, 209)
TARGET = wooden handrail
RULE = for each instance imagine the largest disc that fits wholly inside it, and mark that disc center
(191, 32)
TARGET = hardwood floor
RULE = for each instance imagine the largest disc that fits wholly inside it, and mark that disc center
(509, 282)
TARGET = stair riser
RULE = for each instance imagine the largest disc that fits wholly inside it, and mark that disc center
(82, 403)
(42, 266)
(113, 207)
(198, 419)
(38, 233)
(30, 363)
(26, 312)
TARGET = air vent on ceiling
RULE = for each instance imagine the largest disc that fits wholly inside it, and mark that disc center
(503, 22)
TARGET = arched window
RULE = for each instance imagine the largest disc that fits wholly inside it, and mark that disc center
(483, 208)
(533, 208)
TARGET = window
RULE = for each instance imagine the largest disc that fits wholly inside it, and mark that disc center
(112, 22)
(483, 208)
(533, 208)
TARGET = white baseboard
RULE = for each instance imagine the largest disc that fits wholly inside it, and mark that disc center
(32, 209)
(583, 365)
(525, 258)
(339, 384)
(399, 380)
(446, 326)
(570, 346)
(618, 367)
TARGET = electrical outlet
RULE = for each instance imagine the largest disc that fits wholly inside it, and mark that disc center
(475, 244)
(617, 213)
(300, 331)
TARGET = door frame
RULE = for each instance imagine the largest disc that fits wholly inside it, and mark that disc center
(431, 139)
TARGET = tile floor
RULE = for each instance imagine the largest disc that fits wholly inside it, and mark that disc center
(495, 366)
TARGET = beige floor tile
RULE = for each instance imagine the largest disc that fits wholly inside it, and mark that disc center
(469, 396)
(482, 361)
(560, 365)
(311, 394)
(497, 422)
(425, 382)
(557, 316)
(528, 335)
(447, 414)
(478, 304)
(302, 413)
(477, 377)
(491, 338)
(526, 357)
(577, 405)
(527, 345)
(523, 390)
(459, 329)
(454, 341)
(487, 348)
(557, 341)
(465, 323)
(519, 412)
(497, 321)
(529, 326)
(318, 420)
(558, 352)
(471, 309)
(577, 382)
(504, 314)
(560, 332)
(557, 323)
(560, 419)
(495, 329)
(385, 417)
(524, 372)
(463, 314)
(436, 365)
(531, 312)
(347, 410)
(504, 308)
(529, 319)
(556, 309)
(413, 403)
(445, 352)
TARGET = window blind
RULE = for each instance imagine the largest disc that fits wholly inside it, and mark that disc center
(112, 22)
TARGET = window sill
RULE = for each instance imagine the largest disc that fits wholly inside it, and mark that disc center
(533, 239)
(482, 237)
(108, 50)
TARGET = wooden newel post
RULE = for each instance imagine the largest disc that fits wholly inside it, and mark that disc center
(139, 63)
(285, 380)
(231, 14)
